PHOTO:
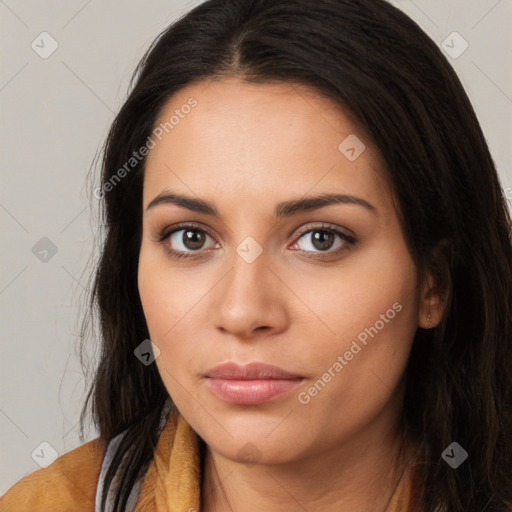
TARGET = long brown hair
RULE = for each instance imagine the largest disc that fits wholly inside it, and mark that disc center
(377, 63)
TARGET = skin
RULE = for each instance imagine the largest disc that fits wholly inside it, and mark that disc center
(244, 148)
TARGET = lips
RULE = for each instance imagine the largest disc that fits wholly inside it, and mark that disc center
(249, 371)
(251, 384)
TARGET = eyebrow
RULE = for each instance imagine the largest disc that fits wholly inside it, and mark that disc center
(282, 210)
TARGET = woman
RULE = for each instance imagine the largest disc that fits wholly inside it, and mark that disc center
(305, 289)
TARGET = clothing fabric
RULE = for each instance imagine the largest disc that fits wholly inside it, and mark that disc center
(172, 483)
(107, 462)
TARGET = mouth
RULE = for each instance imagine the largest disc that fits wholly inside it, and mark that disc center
(251, 384)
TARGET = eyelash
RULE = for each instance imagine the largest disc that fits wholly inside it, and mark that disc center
(349, 241)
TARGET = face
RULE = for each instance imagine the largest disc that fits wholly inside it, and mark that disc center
(239, 264)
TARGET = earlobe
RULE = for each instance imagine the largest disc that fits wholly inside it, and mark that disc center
(429, 315)
(435, 286)
(431, 304)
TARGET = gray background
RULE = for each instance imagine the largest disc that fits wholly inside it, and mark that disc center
(55, 114)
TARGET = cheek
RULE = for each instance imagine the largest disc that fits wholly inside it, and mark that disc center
(368, 317)
(171, 300)
(377, 285)
(166, 295)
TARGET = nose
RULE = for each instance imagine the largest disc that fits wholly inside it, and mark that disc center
(250, 299)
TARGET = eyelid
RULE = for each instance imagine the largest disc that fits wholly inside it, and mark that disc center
(349, 234)
(168, 231)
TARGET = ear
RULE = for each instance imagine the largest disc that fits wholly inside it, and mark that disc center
(435, 286)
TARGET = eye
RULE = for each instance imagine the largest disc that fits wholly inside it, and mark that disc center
(322, 239)
(184, 240)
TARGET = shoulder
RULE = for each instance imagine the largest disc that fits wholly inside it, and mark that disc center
(69, 483)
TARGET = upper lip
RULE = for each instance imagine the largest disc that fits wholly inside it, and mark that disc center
(257, 370)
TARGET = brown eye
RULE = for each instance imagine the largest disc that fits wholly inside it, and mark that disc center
(184, 240)
(192, 239)
(324, 239)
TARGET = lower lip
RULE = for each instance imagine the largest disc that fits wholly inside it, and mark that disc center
(251, 392)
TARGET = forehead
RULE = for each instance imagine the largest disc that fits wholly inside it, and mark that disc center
(256, 138)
